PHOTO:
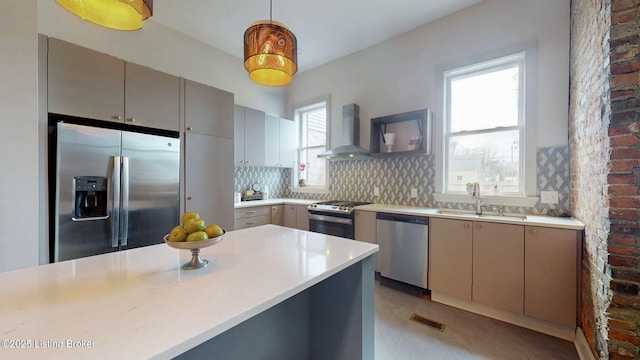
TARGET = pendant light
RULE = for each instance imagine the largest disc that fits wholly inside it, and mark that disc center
(270, 52)
(114, 14)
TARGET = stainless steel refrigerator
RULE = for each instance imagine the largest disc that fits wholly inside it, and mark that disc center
(115, 188)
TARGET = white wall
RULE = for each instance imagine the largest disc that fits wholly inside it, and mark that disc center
(163, 49)
(401, 74)
(19, 209)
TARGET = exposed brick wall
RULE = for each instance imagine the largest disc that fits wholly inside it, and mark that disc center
(623, 192)
(604, 132)
(588, 119)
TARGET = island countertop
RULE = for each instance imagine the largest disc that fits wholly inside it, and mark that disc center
(140, 303)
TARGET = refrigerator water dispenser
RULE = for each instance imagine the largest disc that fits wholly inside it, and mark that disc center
(90, 194)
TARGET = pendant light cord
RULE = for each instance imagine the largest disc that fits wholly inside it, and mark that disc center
(270, 10)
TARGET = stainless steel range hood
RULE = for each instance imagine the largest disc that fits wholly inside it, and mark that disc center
(349, 148)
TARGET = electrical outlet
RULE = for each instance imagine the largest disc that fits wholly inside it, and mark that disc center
(414, 193)
(376, 191)
(548, 197)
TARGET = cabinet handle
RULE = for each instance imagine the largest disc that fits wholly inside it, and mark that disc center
(116, 117)
(466, 226)
(251, 222)
(189, 198)
(533, 231)
(189, 128)
(131, 120)
(478, 226)
(251, 212)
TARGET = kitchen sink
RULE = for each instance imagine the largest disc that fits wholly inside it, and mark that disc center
(482, 216)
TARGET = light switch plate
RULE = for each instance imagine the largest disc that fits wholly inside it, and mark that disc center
(414, 193)
(376, 191)
(548, 197)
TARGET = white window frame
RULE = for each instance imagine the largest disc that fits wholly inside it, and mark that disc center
(297, 110)
(528, 176)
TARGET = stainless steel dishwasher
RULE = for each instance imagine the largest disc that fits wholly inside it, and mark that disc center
(404, 248)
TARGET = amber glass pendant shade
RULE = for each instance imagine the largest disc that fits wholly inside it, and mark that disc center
(270, 53)
(114, 14)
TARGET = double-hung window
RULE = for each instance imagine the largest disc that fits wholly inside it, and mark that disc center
(485, 127)
(312, 121)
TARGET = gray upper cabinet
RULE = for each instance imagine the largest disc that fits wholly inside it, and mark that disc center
(249, 127)
(152, 98)
(208, 111)
(85, 83)
(89, 84)
(280, 142)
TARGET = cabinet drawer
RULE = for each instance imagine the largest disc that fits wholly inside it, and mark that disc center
(252, 211)
(252, 221)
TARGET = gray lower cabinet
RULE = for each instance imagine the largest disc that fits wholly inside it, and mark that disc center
(450, 257)
(252, 216)
(208, 190)
(365, 230)
(528, 270)
(498, 266)
(296, 216)
(550, 274)
(277, 214)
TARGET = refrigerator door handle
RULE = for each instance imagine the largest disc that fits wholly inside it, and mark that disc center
(125, 200)
(115, 219)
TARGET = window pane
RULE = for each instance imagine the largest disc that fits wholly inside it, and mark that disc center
(485, 101)
(314, 127)
(491, 159)
(315, 168)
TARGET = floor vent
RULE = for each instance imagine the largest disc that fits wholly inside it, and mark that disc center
(430, 323)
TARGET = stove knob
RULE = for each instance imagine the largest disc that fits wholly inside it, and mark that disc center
(313, 205)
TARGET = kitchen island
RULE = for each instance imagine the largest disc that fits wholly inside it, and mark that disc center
(268, 292)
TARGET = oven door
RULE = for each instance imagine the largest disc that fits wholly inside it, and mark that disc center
(331, 224)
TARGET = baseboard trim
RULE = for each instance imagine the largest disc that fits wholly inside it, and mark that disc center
(545, 327)
(582, 346)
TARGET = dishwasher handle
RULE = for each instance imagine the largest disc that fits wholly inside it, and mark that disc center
(403, 218)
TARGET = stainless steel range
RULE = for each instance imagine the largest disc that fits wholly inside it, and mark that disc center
(333, 217)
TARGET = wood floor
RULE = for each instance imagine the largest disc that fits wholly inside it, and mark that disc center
(465, 335)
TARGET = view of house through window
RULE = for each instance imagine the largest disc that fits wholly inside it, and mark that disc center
(312, 124)
(484, 107)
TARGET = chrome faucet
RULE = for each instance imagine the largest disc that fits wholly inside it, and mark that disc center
(476, 194)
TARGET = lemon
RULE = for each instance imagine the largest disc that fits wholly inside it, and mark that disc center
(189, 215)
(197, 236)
(193, 225)
(213, 230)
(178, 234)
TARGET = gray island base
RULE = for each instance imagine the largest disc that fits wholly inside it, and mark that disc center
(268, 292)
(331, 320)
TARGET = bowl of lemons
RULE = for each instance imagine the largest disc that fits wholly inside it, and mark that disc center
(194, 234)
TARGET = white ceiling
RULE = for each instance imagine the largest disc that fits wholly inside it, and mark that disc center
(326, 29)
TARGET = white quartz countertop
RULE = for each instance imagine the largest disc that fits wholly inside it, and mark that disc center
(276, 201)
(140, 304)
(533, 220)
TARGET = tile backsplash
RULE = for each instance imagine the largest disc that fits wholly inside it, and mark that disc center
(275, 179)
(395, 176)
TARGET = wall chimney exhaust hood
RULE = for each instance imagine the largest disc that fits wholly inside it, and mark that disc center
(349, 148)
